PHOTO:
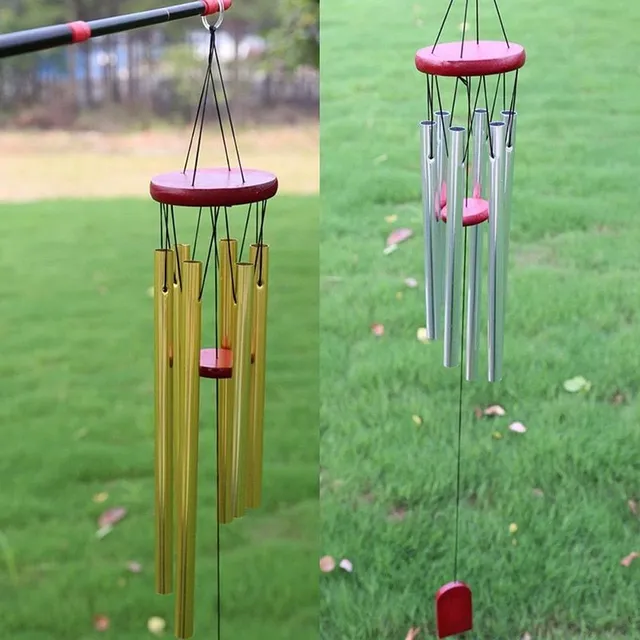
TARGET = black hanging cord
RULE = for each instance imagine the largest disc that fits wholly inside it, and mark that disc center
(263, 215)
(233, 283)
(246, 227)
(214, 223)
(444, 21)
(464, 27)
(444, 137)
(175, 242)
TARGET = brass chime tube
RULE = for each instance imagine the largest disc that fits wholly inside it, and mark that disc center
(496, 249)
(182, 254)
(242, 374)
(475, 238)
(188, 499)
(164, 262)
(430, 192)
(228, 253)
(258, 256)
(455, 247)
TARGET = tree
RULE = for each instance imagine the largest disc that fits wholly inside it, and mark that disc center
(296, 40)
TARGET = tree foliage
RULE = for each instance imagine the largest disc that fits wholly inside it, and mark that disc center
(296, 39)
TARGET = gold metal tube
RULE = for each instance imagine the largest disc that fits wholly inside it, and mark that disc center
(228, 252)
(188, 501)
(259, 256)
(182, 254)
(164, 263)
(242, 375)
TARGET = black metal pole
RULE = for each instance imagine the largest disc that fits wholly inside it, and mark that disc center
(20, 42)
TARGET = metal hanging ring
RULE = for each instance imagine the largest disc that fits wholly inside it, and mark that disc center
(219, 21)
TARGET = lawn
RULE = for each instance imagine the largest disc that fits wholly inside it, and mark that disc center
(76, 421)
(569, 483)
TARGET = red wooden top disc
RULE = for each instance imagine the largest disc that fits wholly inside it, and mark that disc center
(478, 59)
(476, 211)
(213, 187)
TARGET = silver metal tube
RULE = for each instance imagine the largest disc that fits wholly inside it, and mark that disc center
(443, 121)
(497, 131)
(430, 192)
(455, 246)
(510, 119)
(475, 240)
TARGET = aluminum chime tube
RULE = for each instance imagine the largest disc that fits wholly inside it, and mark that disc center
(454, 265)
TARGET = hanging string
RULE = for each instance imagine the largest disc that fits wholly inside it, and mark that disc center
(504, 33)
(175, 242)
(214, 223)
(444, 137)
(259, 258)
(233, 284)
(444, 21)
(213, 51)
(464, 26)
(512, 109)
(195, 239)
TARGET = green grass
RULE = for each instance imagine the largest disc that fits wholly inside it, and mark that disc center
(573, 309)
(76, 419)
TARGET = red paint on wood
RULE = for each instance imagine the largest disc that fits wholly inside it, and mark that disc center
(213, 187)
(213, 6)
(486, 58)
(454, 609)
(80, 31)
(216, 363)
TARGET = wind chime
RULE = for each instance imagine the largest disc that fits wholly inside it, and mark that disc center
(235, 358)
(467, 159)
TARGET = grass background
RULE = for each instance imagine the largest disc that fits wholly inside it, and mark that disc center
(76, 419)
(388, 485)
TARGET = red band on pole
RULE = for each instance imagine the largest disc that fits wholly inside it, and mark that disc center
(80, 31)
(213, 6)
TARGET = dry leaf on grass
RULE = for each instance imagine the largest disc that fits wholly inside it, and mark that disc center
(494, 410)
(391, 219)
(538, 493)
(346, 565)
(577, 385)
(377, 329)
(412, 283)
(398, 235)
(618, 398)
(526, 636)
(327, 564)
(103, 496)
(156, 625)
(421, 334)
(513, 528)
(417, 420)
(134, 567)
(101, 623)
(633, 506)
(517, 427)
(412, 634)
(627, 560)
(111, 517)
(496, 435)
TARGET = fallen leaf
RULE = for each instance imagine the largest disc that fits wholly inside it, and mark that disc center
(103, 532)
(399, 235)
(412, 283)
(514, 542)
(399, 295)
(327, 564)
(417, 420)
(478, 413)
(618, 398)
(346, 565)
(389, 249)
(513, 528)
(134, 567)
(517, 427)
(151, 291)
(494, 410)
(412, 634)
(391, 219)
(377, 329)
(380, 159)
(101, 623)
(421, 334)
(526, 636)
(538, 493)
(111, 517)
(496, 435)
(101, 497)
(627, 560)
(633, 507)
(577, 385)
(156, 625)
(397, 514)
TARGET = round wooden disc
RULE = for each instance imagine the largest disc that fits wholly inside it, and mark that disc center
(476, 211)
(216, 363)
(213, 187)
(485, 58)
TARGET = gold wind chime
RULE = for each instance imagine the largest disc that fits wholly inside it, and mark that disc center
(236, 363)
